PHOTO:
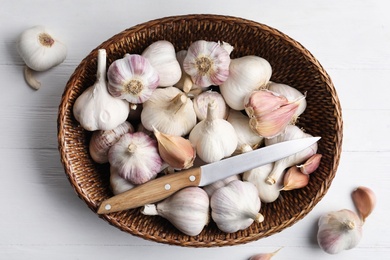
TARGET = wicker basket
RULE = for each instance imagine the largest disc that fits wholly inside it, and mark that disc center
(292, 64)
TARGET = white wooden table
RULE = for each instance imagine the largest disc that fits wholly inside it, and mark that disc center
(42, 218)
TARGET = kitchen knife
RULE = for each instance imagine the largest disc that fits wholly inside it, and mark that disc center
(162, 187)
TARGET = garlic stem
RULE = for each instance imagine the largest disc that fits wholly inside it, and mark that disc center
(30, 79)
(101, 66)
(259, 218)
(177, 102)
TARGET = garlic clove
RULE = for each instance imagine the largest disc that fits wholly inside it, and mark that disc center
(202, 101)
(185, 83)
(162, 56)
(294, 179)
(95, 108)
(365, 200)
(176, 151)
(135, 157)
(102, 140)
(170, 111)
(264, 256)
(132, 78)
(338, 231)
(311, 164)
(207, 63)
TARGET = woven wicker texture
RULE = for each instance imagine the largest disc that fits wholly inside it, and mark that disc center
(292, 64)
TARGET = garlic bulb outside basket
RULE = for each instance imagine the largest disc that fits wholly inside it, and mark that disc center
(187, 210)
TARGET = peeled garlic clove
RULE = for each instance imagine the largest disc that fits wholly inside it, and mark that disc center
(162, 56)
(213, 138)
(207, 63)
(187, 210)
(135, 157)
(339, 230)
(264, 256)
(176, 151)
(170, 111)
(246, 74)
(132, 78)
(294, 179)
(117, 183)
(95, 108)
(365, 200)
(102, 140)
(311, 164)
(202, 101)
(235, 206)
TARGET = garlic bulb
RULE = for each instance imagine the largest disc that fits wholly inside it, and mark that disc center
(246, 74)
(202, 101)
(291, 132)
(364, 199)
(117, 183)
(213, 138)
(40, 50)
(170, 111)
(269, 112)
(162, 56)
(211, 188)
(95, 108)
(292, 94)
(132, 78)
(187, 210)
(102, 140)
(176, 151)
(207, 63)
(135, 157)
(245, 134)
(235, 206)
(339, 230)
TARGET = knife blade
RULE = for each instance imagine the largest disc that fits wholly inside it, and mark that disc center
(161, 188)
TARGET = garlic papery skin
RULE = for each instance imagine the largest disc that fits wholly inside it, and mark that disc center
(211, 188)
(170, 111)
(246, 74)
(162, 56)
(40, 51)
(339, 230)
(365, 200)
(207, 63)
(291, 132)
(292, 94)
(294, 179)
(102, 140)
(269, 112)
(135, 157)
(245, 134)
(264, 256)
(235, 206)
(95, 108)
(117, 183)
(202, 101)
(213, 138)
(132, 78)
(187, 210)
(176, 151)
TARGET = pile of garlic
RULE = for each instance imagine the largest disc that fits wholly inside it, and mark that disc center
(162, 111)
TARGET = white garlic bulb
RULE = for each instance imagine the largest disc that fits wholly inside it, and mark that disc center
(132, 78)
(202, 101)
(213, 138)
(117, 183)
(187, 210)
(102, 140)
(245, 134)
(211, 188)
(246, 74)
(169, 111)
(135, 157)
(95, 108)
(339, 230)
(162, 56)
(207, 63)
(40, 50)
(235, 206)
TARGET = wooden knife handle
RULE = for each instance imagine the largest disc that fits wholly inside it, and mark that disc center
(152, 191)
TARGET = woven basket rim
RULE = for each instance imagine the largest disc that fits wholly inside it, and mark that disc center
(83, 194)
